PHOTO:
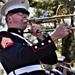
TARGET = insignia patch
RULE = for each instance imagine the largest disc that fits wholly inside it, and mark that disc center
(6, 42)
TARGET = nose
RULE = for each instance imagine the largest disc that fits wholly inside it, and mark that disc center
(25, 16)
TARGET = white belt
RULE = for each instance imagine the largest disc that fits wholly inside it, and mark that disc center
(26, 69)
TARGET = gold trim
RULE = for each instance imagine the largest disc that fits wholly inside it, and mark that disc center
(23, 1)
(36, 47)
(49, 41)
(42, 43)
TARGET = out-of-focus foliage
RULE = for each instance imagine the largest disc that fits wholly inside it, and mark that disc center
(51, 5)
(3, 1)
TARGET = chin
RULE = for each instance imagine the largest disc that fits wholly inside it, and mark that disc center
(23, 28)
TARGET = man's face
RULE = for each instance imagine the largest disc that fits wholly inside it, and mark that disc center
(17, 19)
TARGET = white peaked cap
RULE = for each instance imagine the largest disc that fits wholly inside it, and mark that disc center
(14, 4)
(61, 58)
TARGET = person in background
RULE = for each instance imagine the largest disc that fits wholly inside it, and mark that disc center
(59, 68)
(19, 56)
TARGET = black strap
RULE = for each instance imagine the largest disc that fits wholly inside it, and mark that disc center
(14, 72)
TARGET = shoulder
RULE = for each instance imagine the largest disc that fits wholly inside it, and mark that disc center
(5, 39)
(6, 34)
(3, 33)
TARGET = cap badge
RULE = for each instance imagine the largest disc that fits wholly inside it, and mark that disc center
(23, 1)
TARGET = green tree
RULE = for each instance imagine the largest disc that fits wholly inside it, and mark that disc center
(3, 1)
(51, 6)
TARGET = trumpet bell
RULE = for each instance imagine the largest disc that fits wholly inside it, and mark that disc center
(61, 10)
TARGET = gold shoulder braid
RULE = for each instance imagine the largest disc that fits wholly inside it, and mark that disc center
(43, 68)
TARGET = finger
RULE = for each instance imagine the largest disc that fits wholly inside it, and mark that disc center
(65, 24)
(29, 30)
(69, 30)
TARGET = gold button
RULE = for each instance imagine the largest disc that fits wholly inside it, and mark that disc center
(42, 44)
(19, 31)
(35, 47)
(23, 43)
(49, 41)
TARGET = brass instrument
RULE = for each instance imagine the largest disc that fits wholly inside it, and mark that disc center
(47, 20)
(73, 71)
(61, 10)
(48, 30)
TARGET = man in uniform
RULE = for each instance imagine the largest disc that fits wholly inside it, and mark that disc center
(17, 55)
(60, 67)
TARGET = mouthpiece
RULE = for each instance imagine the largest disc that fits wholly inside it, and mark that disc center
(29, 22)
(24, 21)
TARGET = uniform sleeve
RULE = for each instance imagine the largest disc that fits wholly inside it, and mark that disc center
(41, 50)
(47, 42)
(51, 58)
(17, 51)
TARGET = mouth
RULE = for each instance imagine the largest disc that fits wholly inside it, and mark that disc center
(25, 21)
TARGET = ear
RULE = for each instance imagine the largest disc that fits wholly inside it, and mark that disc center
(9, 19)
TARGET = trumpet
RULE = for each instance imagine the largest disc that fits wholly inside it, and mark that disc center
(47, 19)
(49, 30)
